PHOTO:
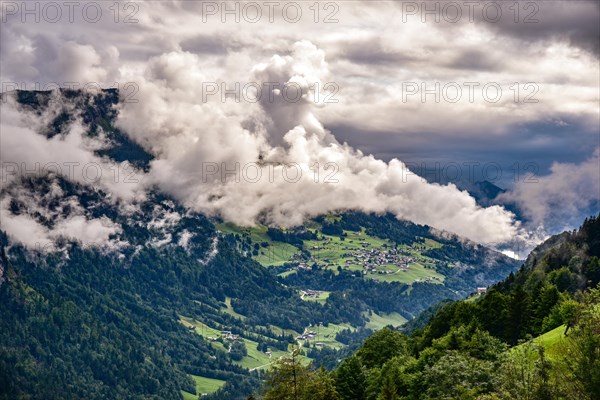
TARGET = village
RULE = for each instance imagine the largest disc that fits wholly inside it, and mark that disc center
(371, 260)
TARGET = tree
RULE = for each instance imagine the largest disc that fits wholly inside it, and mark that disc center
(581, 352)
(495, 322)
(543, 303)
(382, 346)
(238, 350)
(319, 386)
(396, 379)
(593, 271)
(459, 376)
(290, 380)
(351, 379)
(518, 311)
(286, 378)
(569, 312)
(524, 373)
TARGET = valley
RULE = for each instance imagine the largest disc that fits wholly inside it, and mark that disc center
(187, 304)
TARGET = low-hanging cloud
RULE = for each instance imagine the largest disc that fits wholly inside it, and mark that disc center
(188, 135)
(555, 201)
(27, 152)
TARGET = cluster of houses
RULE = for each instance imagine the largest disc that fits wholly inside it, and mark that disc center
(310, 293)
(227, 335)
(370, 259)
(373, 260)
(309, 335)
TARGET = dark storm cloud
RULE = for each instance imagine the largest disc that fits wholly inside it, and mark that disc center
(534, 146)
(577, 22)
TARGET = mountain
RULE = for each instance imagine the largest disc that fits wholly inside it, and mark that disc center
(481, 348)
(170, 303)
(483, 191)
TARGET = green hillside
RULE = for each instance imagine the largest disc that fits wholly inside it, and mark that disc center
(552, 341)
(392, 258)
(535, 335)
(203, 385)
(351, 251)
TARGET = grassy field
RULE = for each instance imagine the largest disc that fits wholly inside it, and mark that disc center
(189, 396)
(286, 273)
(377, 321)
(333, 248)
(203, 385)
(229, 310)
(416, 272)
(277, 253)
(322, 298)
(333, 252)
(326, 334)
(257, 359)
(254, 360)
(473, 298)
(551, 340)
(200, 328)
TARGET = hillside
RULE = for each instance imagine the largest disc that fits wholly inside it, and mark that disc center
(176, 304)
(372, 257)
(482, 348)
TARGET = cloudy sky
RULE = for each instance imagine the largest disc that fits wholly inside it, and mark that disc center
(507, 91)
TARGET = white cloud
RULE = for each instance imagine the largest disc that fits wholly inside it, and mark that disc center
(187, 135)
(24, 229)
(26, 151)
(369, 53)
(557, 198)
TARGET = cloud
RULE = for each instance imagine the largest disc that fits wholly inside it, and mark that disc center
(286, 140)
(174, 47)
(26, 151)
(46, 214)
(24, 229)
(372, 49)
(575, 22)
(556, 200)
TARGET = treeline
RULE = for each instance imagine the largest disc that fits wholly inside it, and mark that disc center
(62, 339)
(466, 363)
(385, 226)
(535, 299)
(294, 237)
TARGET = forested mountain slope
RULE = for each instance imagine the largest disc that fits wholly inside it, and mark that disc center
(481, 348)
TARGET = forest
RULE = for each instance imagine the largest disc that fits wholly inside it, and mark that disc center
(535, 335)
